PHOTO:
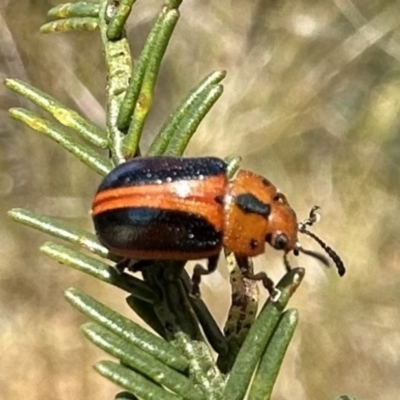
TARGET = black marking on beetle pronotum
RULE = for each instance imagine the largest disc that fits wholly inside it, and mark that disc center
(249, 203)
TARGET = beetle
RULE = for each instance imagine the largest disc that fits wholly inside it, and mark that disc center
(174, 208)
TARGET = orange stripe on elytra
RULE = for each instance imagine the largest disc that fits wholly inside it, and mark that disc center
(204, 188)
(194, 196)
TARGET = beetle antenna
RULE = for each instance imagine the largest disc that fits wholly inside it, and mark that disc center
(313, 218)
(331, 253)
(315, 254)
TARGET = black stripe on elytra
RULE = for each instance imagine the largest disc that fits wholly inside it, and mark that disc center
(249, 203)
(150, 170)
(152, 229)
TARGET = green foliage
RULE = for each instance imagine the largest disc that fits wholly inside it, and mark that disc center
(177, 364)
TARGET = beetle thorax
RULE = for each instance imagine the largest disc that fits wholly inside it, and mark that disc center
(247, 209)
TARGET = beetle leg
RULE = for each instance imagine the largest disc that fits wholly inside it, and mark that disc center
(122, 265)
(132, 265)
(199, 270)
(267, 282)
(287, 263)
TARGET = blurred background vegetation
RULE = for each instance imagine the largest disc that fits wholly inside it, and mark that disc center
(312, 101)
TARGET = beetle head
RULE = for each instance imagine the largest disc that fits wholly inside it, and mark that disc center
(282, 226)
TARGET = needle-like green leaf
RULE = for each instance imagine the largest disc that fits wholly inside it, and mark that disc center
(133, 381)
(59, 229)
(142, 362)
(168, 21)
(187, 107)
(98, 269)
(83, 152)
(70, 24)
(271, 361)
(258, 337)
(127, 329)
(188, 125)
(116, 24)
(79, 9)
(62, 114)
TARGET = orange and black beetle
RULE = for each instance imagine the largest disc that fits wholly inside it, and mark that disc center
(167, 208)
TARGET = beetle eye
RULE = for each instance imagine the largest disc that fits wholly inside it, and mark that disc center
(281, 241)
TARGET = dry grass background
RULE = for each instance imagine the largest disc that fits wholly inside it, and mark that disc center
(312, 101)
